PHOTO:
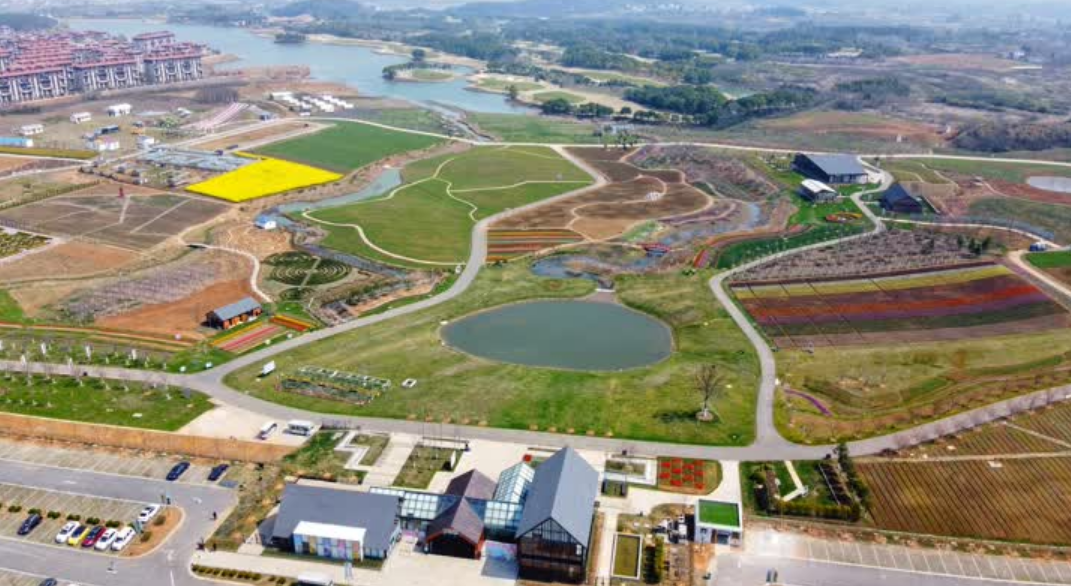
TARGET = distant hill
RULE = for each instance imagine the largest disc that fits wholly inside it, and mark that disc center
(24, 21)
(537, 8)
(324, 9)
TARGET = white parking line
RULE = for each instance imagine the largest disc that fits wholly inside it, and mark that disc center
(35, 576)
(975, 578)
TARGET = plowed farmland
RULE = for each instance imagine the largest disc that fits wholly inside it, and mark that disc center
(1016, 500)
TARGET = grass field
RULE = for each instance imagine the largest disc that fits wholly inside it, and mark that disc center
(532, 128)
(419, 119)
(96, 401)
(1013, 172)
(347, 146)
(717, 513)
(557, 95)
(495, 84)
(261, 179)
(627, 555)
(656, 403)
(1050, 260)
(430, 74)
(1051, 217)
(430, 218)
(875, 390)
(905, 170)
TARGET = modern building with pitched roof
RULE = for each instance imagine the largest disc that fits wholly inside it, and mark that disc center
(831, 169)
(898, 200)
(336, 524)
(237, 313)
(553, 538)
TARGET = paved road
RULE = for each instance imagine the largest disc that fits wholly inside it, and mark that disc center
(157, 568)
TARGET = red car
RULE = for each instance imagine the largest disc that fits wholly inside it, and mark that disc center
(92, 537)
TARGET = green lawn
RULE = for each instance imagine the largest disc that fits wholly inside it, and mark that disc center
(1050, 260)
(502, 85)
(533, 128)
(430, 75)
(557, 95)
(10, 310)
(655, 403)
(318, 459)
(1051, 217)
(1013, 172)
(421, 466)
(420, 119)
(719, 513)
(97, 401)
(347, 146)
(627, 555)
(429, 219)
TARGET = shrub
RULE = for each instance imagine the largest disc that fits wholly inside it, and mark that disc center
(146, 536)
(34, 511)
(54, 514)
(112, 524)
(160, 520)
(93, 521)
(14, 508)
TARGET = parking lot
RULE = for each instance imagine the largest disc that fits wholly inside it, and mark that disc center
(908, 559)
(9, 578)
(96, 461)
(105, 509)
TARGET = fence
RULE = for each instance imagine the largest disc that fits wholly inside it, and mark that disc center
(140, 439)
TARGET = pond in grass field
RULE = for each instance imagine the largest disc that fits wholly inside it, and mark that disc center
(574, 335)
(1057, 184)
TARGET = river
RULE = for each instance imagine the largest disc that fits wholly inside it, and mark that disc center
(355, 66)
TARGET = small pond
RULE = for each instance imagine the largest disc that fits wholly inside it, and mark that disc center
(1057, 184)
(574, 335)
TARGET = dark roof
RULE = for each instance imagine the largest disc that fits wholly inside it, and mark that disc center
(838, 164)
(375, 513)
(460, 518)
(898, 193)
(472, 484)
(240, 307)
(564, 489)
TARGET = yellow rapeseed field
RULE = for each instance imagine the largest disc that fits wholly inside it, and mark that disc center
(263, 178)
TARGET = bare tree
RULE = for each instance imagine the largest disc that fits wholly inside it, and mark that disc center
(708, 382)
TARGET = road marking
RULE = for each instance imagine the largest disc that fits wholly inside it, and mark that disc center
(37, 576)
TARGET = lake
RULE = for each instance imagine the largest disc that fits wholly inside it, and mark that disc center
(1057, 184)
(573, 335)
(358, 67)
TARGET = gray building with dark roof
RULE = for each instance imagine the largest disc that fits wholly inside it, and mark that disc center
(329, 522)
(832, 169)
(234, 314)
(553, 538)
(898, 200)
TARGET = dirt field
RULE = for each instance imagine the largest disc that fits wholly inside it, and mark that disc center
(135, 222)
(866, 125)
(180, 317)
(68, 259)
(256, 136)
(960, 61)
(634, 195)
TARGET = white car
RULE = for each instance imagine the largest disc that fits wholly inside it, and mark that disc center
(106, 539)
(123, 538)
(65, 533)
(148, 513)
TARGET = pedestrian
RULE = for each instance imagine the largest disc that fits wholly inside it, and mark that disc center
(214, 516)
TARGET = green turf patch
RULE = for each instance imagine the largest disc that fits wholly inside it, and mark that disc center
(431, 218)
(542, 97)
(1050, 260)
(627, 555)
(502, 85)
(347, 146)
(10, 310)
(94, 400)
(719, 513)
(535, 129)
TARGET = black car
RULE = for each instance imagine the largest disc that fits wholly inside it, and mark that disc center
(30, 524)
(217, 472)
(177, 471)
(48, 582)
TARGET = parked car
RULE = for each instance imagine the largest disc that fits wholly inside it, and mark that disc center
(78, 535)
(123, 538)
(65, 533)
(92, 537)
(48, 582)
(106, 540)
(217, 472)
(177, 471)
(148, 513)
(30, 524)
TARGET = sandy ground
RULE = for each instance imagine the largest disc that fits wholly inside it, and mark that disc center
(867, 125)
(253, 136)
(181, 317)
(226, 421)
(242, 235)
(960, 61)
(69, 259)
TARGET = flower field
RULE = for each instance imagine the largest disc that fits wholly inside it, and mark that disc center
(508, 244)
(688, 476)
(261, 179)
(248, 338)
(920, 306)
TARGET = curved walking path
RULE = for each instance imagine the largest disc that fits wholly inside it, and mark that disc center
(768, 445)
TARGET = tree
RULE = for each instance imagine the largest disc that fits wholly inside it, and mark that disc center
(557, 106)
(708, 382)
(513, 91)
(419, 55)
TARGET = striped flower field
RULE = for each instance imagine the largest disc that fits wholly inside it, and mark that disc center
(925, 306)
(509, 244)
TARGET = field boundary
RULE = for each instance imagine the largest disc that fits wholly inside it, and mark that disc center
(27, 426)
